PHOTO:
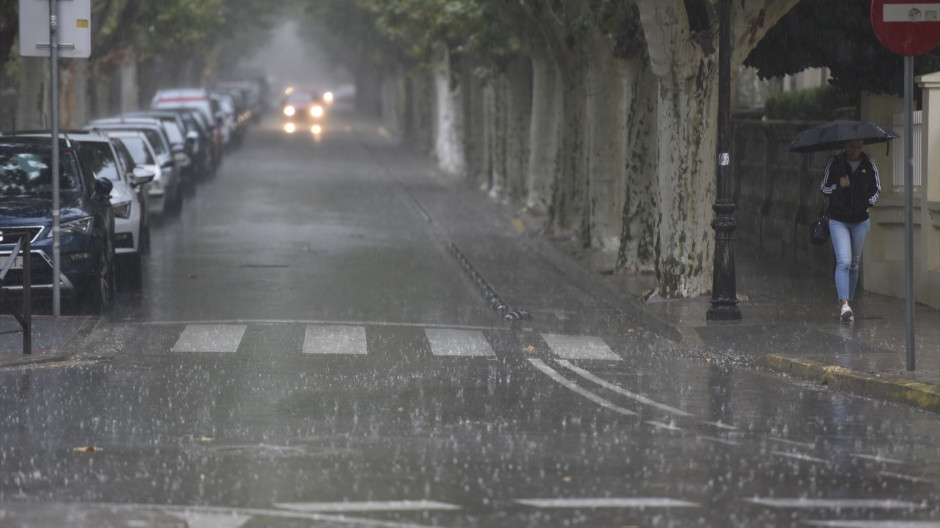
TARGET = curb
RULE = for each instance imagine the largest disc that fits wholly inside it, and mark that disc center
(890, 388)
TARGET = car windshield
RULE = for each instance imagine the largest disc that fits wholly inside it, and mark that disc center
(173, 131)
(300, 98)
(99, 160)
(138, 149)
(26, 170)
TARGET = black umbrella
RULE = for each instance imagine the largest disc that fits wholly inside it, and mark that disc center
(834, 134)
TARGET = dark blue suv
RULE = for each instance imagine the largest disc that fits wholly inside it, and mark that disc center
(86, 220)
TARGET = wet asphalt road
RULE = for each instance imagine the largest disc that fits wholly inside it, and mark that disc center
(307, 351)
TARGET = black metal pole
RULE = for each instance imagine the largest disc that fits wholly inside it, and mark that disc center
(724, 292)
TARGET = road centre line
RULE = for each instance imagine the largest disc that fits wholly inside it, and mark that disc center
(877, 458)
(620, 390)
(558, 378)
(609, 502)
(367, 506)
(257, 512)
(836, 504)
(800, 456)
(873, 524)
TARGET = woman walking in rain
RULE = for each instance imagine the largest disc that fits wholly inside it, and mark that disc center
(852, 185)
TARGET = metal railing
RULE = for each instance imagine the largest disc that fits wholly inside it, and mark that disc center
(23, 314)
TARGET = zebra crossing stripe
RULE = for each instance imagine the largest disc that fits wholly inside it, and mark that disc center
(579, 347)
(446, 342)
(337, 339)
(210, 338)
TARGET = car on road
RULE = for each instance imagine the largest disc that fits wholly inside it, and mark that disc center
(302, 105)
(86, 232)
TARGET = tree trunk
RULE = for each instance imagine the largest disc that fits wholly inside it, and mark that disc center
(568, 210)
(519, 115)
(34, 110)
(128, 76)
(544, 132)
(606, 133)
(447, 144)
(687, 111)
(475, 128)
(641, 198)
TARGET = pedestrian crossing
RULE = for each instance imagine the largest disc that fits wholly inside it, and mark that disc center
(352, 340)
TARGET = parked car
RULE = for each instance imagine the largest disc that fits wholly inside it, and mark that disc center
(106, 158)
(183, 147)
(158, 133)
(159, 195)
(86, 234)
(201, 100)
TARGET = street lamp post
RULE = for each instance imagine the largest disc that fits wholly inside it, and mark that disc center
(724, 293)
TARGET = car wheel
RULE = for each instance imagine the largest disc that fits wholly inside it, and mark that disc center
(99, 292)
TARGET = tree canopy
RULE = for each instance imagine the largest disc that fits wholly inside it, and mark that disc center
(835, 34)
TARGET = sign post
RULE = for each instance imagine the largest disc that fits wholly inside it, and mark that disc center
(38, 18)
(908, 28)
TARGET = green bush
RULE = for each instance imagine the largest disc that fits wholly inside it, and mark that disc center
(813, 104)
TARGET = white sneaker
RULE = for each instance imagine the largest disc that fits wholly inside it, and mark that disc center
(846, 314)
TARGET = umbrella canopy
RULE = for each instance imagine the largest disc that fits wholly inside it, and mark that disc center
(834, 134)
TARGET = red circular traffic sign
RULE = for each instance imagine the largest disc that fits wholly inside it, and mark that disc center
(909, 28)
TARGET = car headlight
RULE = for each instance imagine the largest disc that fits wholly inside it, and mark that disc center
(316, 111)
(289, 111)
(81, 226)
(122, 210)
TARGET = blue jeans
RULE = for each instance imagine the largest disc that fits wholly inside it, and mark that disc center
(847, 242)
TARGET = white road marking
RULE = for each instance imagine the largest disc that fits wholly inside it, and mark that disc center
(874, 524)
(877, 458)
(609, 502)
(210, 338)
(257, 512)
(902, 476)
(335, 340)
(579, 347)
(800, 456)
(212, 520)
(620, 390)
(666, 426)
(837, 504)
(719, 440)
(551, 373)
(367, 506)
(449, 342)
(792, 442)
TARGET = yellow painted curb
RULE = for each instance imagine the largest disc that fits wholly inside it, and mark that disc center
(889, 388)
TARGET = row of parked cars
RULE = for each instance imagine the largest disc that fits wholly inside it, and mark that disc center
(114, 175)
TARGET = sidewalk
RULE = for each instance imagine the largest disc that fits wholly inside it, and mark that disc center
(52, 339)
(790, 325)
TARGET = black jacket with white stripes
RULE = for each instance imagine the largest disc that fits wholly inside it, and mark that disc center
(850, 204)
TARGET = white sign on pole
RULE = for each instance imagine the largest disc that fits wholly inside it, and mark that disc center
(73, 28)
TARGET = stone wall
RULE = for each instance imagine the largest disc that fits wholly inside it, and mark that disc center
(777, 196)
